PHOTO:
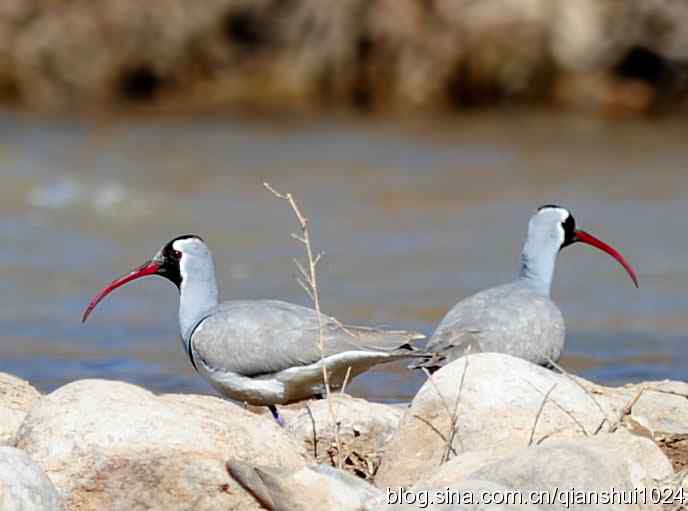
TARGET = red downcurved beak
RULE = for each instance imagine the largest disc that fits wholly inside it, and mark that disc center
(585, 237)
(149, 268)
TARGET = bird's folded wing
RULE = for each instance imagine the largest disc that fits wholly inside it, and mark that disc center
(254, 338)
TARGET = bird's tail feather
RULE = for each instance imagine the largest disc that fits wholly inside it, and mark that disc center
(390, 341)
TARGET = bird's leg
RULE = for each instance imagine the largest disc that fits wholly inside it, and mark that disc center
(276, 415)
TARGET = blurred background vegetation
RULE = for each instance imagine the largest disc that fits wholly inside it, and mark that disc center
(365, 55)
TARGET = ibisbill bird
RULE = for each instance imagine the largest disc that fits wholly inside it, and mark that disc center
(519, 318)
(261, 352)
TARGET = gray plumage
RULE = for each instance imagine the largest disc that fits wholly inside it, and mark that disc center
(266, 352)
(512, 318)
(519, 318)
(262, 352)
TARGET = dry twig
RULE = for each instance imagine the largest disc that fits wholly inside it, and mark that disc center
(347, 376)
(434, 428)
(445, 405)
(315, 434)
(628, 407)
(567, 412)
(454, 417)
(309, 282)
(587, 393)
(537, 417)
(626, 410)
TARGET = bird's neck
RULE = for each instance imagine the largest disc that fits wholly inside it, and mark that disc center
(198, 294)
(538, 261)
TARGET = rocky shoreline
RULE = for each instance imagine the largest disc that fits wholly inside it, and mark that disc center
(366, 55)
(488, 421)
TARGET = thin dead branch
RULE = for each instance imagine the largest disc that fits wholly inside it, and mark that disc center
(315, 434)
(669, 392)
(452, 414)
(626, 410)
(346, 380)
(587, 393)
(564, 410)
(443, 400)
(454, 418)
(433, 428)
(309, 282)
(539, 412)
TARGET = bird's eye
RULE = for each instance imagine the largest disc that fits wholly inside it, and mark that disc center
(177, 254)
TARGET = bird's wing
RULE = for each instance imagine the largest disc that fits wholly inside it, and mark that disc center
(260, 337)
(467, 325)
(511, 318)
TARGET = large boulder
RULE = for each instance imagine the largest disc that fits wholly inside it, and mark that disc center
(112, 445)
(550, 476)
(324, 487)
(657, 410)
(23, 484)
(660, 411)
(621, 461)
(16, 399)
(363, 427)
(496, 401)
(312, 487)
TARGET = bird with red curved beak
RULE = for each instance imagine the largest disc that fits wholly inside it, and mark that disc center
(519, 318)
(261, 352)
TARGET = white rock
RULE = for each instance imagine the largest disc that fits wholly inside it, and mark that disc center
(598, 463)
(497, 409)
(16, 398)
(312, 487)
(661, 411)
(111, 445)
(23, 484)
(620, 461)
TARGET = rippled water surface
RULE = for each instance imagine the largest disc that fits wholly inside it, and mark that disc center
(412, 217)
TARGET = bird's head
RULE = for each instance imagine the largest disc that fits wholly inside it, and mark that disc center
(556, 226)
(175, 261)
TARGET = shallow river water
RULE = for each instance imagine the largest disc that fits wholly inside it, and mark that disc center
(412, 217)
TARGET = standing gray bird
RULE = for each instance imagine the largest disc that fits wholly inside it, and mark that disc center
(519, 318)
(262, 352)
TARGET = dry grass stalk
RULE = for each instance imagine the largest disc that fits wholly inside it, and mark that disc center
(587, 393)
(454, 417)
(564, 410)
(347, 376)
(308, 280)
(445, 405)
(315, 435)
(626, 410)
(435, 430)
(539, 413)
(451, 412)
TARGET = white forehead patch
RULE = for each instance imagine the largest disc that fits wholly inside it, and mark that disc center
(563, 213)
(547, 225)
(190, 246)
